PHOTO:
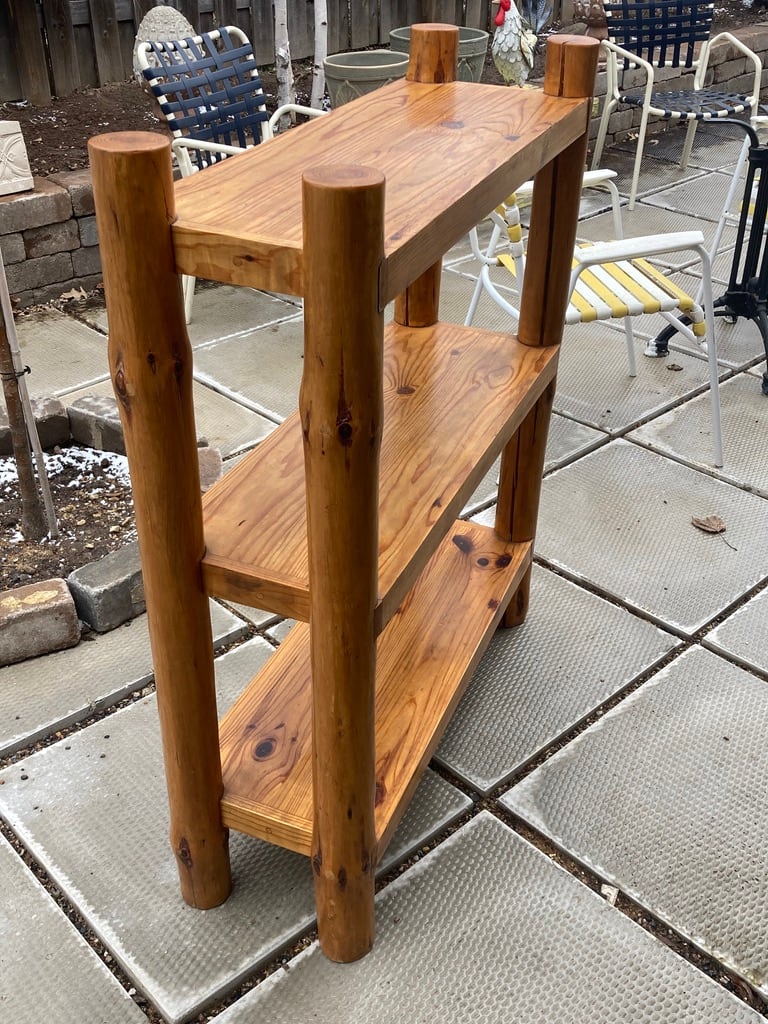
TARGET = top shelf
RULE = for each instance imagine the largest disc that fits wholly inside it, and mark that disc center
(240, 222)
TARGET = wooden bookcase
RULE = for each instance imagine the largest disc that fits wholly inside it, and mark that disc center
(345, 518)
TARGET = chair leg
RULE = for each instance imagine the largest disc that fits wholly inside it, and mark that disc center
(188, 288)
(474, 300)
(630, 346)
(608, 108)
(690, 135)
(638, 159)
(714, 380)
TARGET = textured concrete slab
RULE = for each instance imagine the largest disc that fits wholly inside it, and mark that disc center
(63, 353)
(744, 635)
(703, 198)
(226, 425)
(665, 798)
(261, 369)
(485, 929)
(714, 145)
(567, 440)
(40, 696)
(654, 174)
(219, 311)
(621, 519)
(594, 386)
(123, 878)
(685, 433)
(540, 679)
(48, 971)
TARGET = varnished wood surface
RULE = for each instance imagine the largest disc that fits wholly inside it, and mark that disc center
(151, 368)
(449, 153)
(424, 660)
(453, 396)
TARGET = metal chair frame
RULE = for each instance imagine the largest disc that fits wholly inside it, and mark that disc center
(747, 292)
(210, 93)
(599, 267)
(667, 34)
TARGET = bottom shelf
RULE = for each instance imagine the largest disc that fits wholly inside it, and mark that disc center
(425, 657)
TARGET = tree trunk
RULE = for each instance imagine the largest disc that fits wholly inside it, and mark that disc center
(321, 52)
(33, 522)
(286, 92)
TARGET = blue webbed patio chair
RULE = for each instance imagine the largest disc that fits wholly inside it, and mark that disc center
(652, 34)
(210, 93)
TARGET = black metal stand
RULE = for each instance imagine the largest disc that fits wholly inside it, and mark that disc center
(747, 292)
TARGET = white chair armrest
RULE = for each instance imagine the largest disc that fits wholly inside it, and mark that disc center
(638, 248)
(613, 50)
(745, 50)
(181, 146)
(294, 108)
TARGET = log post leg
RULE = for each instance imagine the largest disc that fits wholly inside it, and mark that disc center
(570, 72)
(151, 366)
(341, 406)
(434, 56)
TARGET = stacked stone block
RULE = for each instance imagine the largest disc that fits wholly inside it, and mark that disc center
(48, 238)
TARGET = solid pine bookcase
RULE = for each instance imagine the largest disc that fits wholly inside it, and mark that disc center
(344, 518)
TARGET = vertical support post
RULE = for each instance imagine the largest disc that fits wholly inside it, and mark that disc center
(570, 72)
(151, 367)
(341, 405)
(434, 58)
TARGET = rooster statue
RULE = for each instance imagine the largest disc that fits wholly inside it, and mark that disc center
(513, 44)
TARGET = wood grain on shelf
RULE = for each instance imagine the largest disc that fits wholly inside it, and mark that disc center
(240, 221)
(425, 659)
(453, 396)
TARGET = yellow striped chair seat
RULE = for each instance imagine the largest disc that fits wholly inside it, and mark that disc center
(625, 288)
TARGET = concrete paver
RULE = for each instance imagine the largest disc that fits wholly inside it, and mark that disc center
(620, 518)
(487, 929)
(47, 970)
(540, 680)
(683, 832)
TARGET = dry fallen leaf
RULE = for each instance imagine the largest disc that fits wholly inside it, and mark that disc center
(709, 524)
(74, 293)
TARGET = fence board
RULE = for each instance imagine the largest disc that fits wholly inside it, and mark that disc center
(478, 14)
(364, 23)
(31, 62)
(262, 34)
(225, 12)
(106, 40)
(61, 46)
(10, 86)
(301, 28)
(338, 26)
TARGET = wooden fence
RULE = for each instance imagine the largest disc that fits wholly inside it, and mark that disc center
(54, 47)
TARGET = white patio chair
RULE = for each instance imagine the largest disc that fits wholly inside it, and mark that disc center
(610, 280)
(210, 93)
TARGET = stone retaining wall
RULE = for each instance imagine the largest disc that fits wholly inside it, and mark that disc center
(48, 237)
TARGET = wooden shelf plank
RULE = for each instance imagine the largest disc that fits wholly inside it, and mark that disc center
(425, 658)
(492, 141)
(453, 397)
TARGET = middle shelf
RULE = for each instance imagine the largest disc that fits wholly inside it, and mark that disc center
(453, 397)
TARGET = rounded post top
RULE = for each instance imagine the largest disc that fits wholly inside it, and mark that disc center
(571, 66)
(434, 53)
(343, 176)
(126, 142)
